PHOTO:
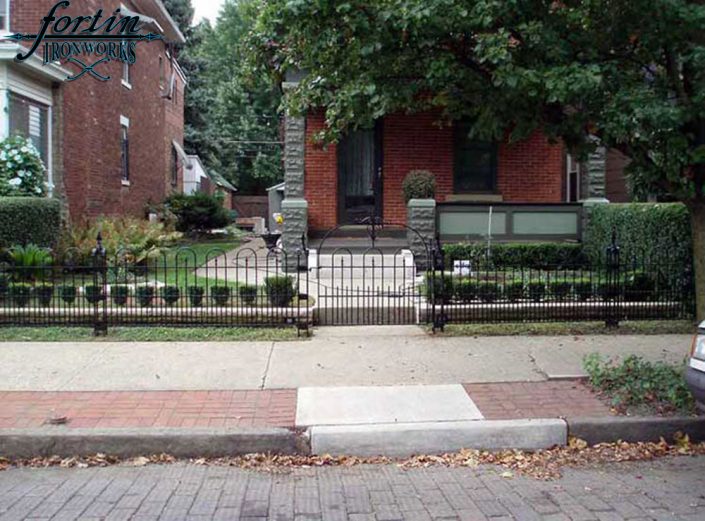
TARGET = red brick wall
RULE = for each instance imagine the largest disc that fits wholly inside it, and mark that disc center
(321, 180)
(92, 109)
(531, 171)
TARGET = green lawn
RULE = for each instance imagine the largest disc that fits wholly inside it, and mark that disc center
(191, 256)
(571, 328)
(149, 334)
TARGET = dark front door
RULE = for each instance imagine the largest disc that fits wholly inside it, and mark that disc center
(360, 176)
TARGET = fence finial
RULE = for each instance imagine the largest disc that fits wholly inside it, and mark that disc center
(99, 250)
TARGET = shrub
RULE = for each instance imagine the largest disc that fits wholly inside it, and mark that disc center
(68, 294)
(560, 289)
(659, 232)
(94, 294)
(120, 294)
(537, 291)
(635, 382)
(639, 287)
(29, 220)
(248, 294)
(583, 290)
(536, 256)
(4, 284)
(171, 294)
(514, 291)
(439, 287)
(138, 239)
(489, 292)
(610, 290)
(464, 290)
(280, 290)
(22, 172)
(195, 296)
(145, 295)
(45, 294)
(20, 294)
(198, 212)
(419, 184)
(30, 262)
(220, 295)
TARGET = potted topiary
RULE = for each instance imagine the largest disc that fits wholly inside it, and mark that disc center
(419, 184)
(94, 294)
(220, 295)
(171, 294)
(44, 293)
(248, 294)
(145, 295)
(20, 294)
(280, 291)
(120, 294)
(68, 294)
(195, 296)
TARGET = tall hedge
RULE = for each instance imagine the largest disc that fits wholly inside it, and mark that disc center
(29, 220)
(657, 231)
(541, 255)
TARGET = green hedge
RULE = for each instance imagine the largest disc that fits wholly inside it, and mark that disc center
(660, 232)
(29, 220)
(510, 255)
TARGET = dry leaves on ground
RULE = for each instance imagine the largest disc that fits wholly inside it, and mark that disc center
(543, 464)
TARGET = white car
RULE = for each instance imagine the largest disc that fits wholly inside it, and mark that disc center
(695, 373)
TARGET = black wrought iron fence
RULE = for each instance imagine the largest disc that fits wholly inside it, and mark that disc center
(249, 288)
(611, 290)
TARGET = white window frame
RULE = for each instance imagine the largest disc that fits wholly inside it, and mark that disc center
(126, 75)
(6, 29)
(125, 124)
(5, 93)
(572, 167)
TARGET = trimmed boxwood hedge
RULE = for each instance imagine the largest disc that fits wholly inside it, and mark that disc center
(543, 255)
(29, 220)
(659, 232)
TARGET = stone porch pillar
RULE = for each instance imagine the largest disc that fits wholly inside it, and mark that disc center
(421, 219)
(294, 206)
(594, 184)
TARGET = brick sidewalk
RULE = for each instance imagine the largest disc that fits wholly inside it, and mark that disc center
(150, 409)
(265, 408)
(553, 399)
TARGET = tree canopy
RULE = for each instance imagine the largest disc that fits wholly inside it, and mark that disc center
(232, 118)
(629, 72)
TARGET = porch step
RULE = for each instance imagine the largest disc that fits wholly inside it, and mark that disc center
(359, 245)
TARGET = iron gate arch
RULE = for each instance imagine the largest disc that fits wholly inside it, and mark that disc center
(373, 284)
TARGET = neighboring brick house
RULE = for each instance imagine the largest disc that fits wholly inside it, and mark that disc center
(527, 190)
(112, 147)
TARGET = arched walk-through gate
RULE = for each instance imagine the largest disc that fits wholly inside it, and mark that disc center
(371, 279)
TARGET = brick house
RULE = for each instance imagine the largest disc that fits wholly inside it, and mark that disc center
(111, 147)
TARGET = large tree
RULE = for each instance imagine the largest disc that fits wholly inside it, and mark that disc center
(626, 74)
(232, 119)
(182, 12)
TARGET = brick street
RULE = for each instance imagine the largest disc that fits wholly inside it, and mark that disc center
(662, 490)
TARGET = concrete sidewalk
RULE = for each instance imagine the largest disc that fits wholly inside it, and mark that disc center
(335, 357)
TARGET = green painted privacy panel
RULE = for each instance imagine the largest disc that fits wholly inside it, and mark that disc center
(545, 223)
(472, 223)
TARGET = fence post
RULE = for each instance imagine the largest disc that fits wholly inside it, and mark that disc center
(440, 319)
(613, 282)
(100, 317)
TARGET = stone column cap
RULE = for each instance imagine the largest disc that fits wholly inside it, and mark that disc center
(422, 203)
(294, 203)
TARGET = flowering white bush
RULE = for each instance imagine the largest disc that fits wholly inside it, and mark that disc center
(22, 172)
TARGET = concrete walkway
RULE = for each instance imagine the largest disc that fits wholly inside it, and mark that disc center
(335, 357)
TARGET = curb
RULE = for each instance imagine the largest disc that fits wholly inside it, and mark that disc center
(409, 439)
(129, 443)
(646, 429)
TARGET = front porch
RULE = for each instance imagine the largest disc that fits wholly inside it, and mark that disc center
(525, 191)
